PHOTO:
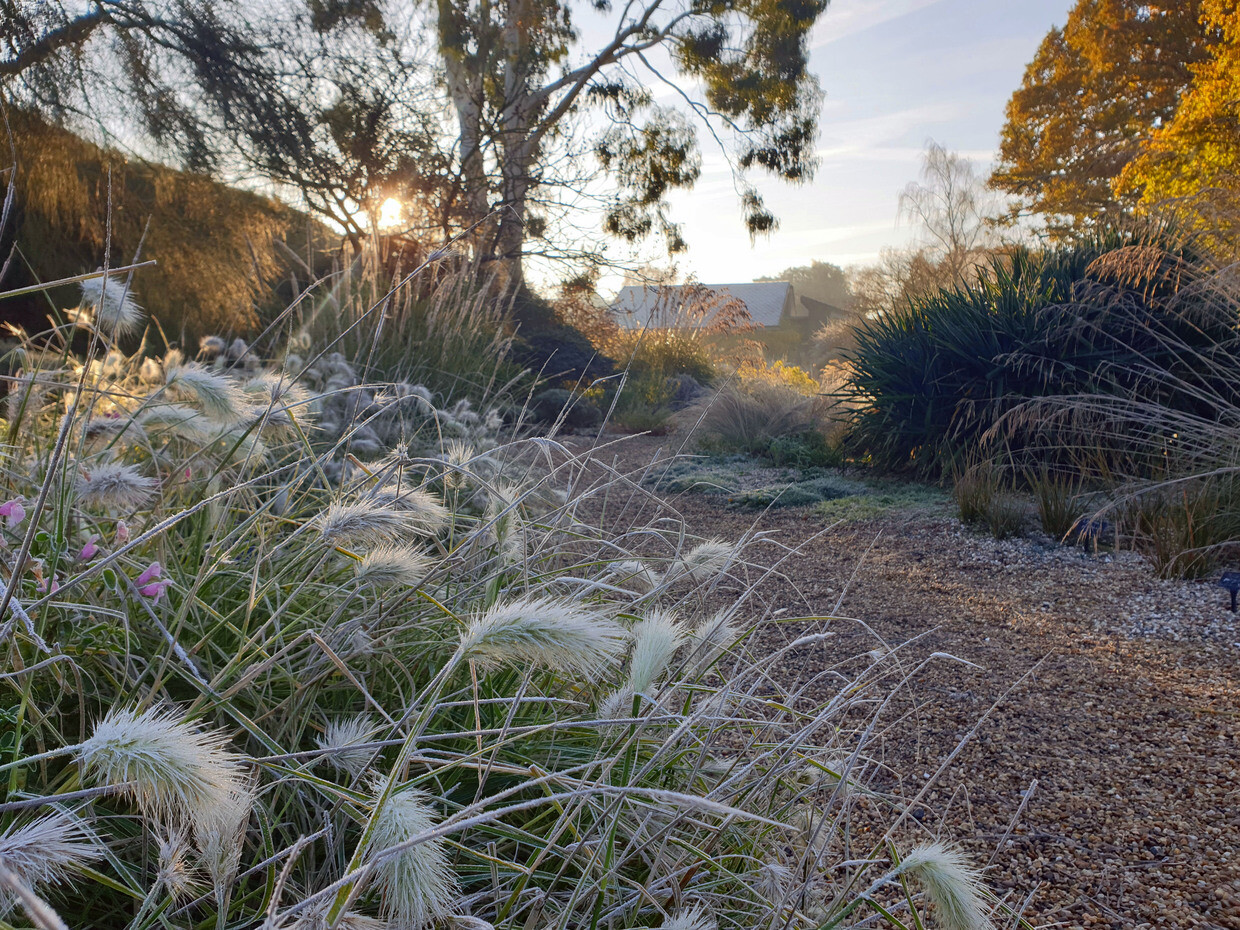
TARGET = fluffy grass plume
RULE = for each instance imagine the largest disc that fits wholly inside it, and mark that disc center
(712, 638)
(342, 741)
(114, 486)
(390, 565)
(951, 883)
(693, 918)
(111, 302)
(424, 511)
(45, 850)
(218, 395)
(542, 631)
(704, 561)
(655, 641)
(362, 522)
(172, 768)
(416, 885)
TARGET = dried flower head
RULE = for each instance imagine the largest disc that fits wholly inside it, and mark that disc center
(172, 768)
(394, 565)
(115, 311)
(543, 632)
(416, 885)
(114, 486)
(951, 883)
(342, 742)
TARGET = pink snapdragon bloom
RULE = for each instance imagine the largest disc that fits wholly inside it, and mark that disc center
(13, 511)
(90, 550)
(149, 584)
(122, 531)
(42, 587)
(154, 591)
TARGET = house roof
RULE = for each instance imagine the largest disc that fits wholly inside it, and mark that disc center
(638, 306)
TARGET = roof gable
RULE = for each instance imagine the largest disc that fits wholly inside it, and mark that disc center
(639, 306)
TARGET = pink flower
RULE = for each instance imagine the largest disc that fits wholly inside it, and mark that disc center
(13, 511)
(188, 474)
(90, 550)
(151, 573)
(122, 531)
(155, 590)
(41, 587)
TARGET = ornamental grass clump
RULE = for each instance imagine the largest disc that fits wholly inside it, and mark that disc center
(273, 676)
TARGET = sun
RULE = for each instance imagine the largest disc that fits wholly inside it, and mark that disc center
(390, 213)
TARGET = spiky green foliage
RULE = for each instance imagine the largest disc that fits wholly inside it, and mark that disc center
(1097, 317)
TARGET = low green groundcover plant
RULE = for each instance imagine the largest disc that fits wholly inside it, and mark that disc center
(399, 669)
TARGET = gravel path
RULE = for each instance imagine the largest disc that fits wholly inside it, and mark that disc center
(1119, 729)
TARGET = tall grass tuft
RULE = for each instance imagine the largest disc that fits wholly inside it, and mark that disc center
(329, 650)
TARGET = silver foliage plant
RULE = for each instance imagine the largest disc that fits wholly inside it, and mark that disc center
(309, 651)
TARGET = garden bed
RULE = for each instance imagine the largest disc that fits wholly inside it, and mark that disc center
(1102, 773)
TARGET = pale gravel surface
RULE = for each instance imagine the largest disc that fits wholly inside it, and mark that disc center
(1121, 707)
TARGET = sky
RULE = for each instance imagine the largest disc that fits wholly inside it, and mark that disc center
(896, 73)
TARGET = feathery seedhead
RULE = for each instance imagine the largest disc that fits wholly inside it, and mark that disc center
(695, 918)
(394, 565)
(362, 522)
(416, 885)
(342, 741)
(425, 512)
(951, 883)
(217, 394)
(114, 426)
(275, 388)
(315, 918)
(655, 641)
(46, 850)
(176, 873)
(636, 575)
(466, 922)
(705, 560)
(116, 313)
(173, 768)
(542, 632)
(617, 704)
(115, 486)
(177, 420)
(221, 836)
(150, 371)
(711, 639)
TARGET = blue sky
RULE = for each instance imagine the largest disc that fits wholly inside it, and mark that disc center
(896, 73)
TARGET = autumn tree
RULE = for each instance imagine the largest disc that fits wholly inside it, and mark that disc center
(1194, 159)
(1095, 92)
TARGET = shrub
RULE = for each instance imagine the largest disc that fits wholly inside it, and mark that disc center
(983, 501)
(929, 382)
(1059, 500)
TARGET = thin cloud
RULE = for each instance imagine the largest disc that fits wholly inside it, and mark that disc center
(846, 18)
